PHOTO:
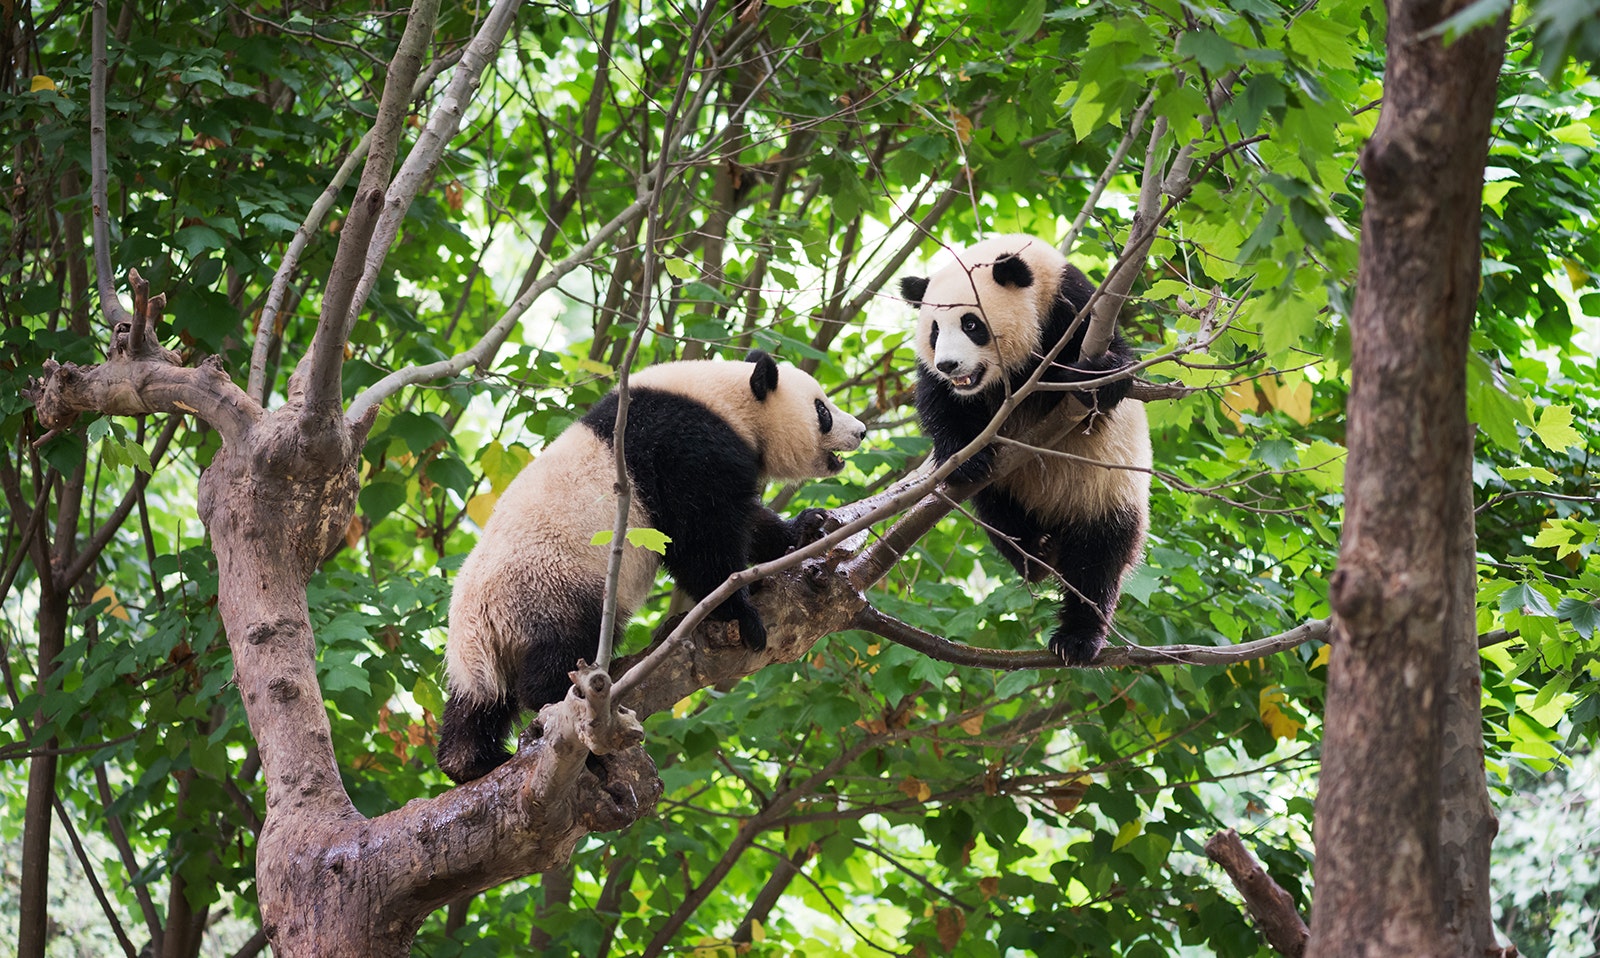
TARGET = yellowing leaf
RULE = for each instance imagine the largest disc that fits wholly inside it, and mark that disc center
(1238, 399)
(916, 789)
(1294, 401)
(989, 886)
(679, 268)
(1495, 193)
(1576, 274)
(758, 934)
(1322, 656)
(1127, 833)
(481, 506)
(41, 83)
(1520, 473)
(1555, 428)
(115, 609)
(1279, 724)
(963, 125)
(971, 725)
(1576, 134)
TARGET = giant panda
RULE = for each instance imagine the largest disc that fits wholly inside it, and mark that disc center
(702, 438)
(984, 322)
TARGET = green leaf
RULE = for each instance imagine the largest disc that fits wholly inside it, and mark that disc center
(1026, 23)
(680, 268)
(196, 240)
(1583, 615)
(1523, 473)
(1210, 50)
(1554, 429)
(1088, 110)
(653, 539)
(1323, 41)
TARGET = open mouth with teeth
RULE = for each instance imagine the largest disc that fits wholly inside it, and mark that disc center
(968, 381)
(833, 462)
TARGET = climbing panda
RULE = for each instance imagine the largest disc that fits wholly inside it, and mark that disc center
(702, 438)
(984, 322)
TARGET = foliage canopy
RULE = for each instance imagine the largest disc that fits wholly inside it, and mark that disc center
(822, 151)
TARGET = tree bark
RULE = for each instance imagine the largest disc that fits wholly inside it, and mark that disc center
(1397, 595)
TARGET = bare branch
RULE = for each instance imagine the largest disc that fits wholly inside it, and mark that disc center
(1271, 906)
(424, 157)
(1175, 183)
(151, 380)
(482, 352)
(110, 306)
(267, 325)
(1135, 127)
(1130, 656)
(670, 134)
(325, 359)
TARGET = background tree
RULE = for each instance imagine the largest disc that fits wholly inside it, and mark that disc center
(710, 179)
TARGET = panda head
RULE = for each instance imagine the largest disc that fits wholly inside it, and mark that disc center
(799, 431)
(980, 316)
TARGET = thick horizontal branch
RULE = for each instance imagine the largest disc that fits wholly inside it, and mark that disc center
(136, 387)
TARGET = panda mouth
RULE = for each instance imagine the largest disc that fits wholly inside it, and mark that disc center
(833, 461)
(968, 382)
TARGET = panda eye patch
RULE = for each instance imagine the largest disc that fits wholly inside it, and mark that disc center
(975, 329)
(933, 335)
(824, 416)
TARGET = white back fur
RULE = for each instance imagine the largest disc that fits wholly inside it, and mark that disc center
(536, 540)
(783, 427)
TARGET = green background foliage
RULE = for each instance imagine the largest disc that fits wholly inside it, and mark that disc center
(930, 808)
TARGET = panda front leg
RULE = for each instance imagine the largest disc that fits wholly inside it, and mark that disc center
(773, 537)
(702, 560)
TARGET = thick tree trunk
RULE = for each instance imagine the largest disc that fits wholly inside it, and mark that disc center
(1398, 597)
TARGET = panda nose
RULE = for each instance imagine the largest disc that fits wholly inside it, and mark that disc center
(948, 365)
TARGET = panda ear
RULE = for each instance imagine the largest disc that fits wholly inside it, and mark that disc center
(912, 289)
(765, 378)
(1010, 270)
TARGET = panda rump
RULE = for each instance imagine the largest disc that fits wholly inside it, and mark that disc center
(702, 439)
(985, 321)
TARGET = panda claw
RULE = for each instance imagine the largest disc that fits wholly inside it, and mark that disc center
(1077, 648)
(809, 526)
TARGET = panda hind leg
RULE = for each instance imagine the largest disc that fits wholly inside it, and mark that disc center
(1090, 557)
(553, 651)
(472, 737)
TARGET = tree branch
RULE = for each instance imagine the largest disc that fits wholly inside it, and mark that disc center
(267, 325)
(435, 136)
(110, 306)
(1271, 906)
(324, 361)
(1130, 656)
(151, 380)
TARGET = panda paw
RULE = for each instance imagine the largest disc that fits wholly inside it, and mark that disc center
(807, 527)
(1076, 648)
(752, 630)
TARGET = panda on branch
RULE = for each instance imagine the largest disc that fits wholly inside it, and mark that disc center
(702, 438)
(984, 323)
